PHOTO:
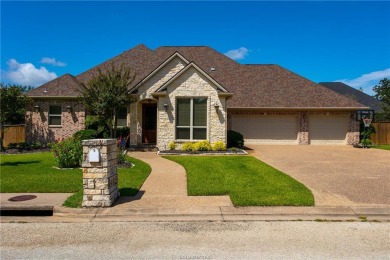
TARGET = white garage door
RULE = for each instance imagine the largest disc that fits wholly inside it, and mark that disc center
(327, 129)
(266, 129)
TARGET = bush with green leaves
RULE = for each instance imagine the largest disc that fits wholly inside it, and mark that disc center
(99, 125)
(219, 146)
(234, 139)
(365, 134)
(202, 146)
(68, 153)
(171, 145)
(188, 147)
(85, 134)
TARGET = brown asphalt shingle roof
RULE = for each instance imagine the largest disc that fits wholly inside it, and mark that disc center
(64, 86)
(254, 86)
(353, 93)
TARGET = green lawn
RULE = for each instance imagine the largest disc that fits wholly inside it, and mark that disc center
(382, 146)
(247, 180)
(35, 173)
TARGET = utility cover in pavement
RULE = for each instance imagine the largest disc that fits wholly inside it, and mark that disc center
(22, 198)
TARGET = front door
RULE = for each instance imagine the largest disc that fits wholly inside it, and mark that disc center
(149, 123)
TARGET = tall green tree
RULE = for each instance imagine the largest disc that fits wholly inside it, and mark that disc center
(382, 91)
(13, 103)
(106, 93)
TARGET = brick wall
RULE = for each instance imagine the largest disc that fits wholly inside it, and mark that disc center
(37, 122)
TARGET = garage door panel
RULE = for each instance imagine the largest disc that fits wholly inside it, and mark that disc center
(266, 129)
(327, 129)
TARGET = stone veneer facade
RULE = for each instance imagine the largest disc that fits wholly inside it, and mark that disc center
(191, 84)
(303, 121)
(37, 122)
(100, 179)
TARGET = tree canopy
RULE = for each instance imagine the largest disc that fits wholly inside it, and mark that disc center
(13, 103)
(382, 91)
(106, 93)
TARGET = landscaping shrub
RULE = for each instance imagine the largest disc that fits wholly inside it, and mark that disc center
(188, 147)
(219, 146)
(121, 154)
(365, 139)
(85, 134)
(234, 139)
(202, 146)
(171, 145)
(100, 126)
(123, 131)
(68, 153)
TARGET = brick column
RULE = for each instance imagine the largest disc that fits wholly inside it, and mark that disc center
(303, 128)
(100, 177)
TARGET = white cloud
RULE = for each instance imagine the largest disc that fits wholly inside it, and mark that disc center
(237, 54)
(367, 81)
(52, 61)
(27, 74)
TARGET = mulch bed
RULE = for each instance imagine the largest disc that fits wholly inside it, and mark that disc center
(21, 151)
(179, 152)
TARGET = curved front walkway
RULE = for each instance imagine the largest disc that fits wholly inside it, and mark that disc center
(166, 187)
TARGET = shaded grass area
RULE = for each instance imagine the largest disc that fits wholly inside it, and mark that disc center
(382, 146)
(247, 180)
(35, 173)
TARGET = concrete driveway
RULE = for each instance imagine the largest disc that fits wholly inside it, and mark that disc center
(337, 175)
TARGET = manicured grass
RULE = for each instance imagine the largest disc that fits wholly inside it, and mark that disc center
(35, 173)
(247, 180)
(382, 146)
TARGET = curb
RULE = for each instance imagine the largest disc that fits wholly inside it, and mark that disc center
(228, 214)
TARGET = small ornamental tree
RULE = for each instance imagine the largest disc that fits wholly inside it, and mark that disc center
(106, 93)
(13, 103)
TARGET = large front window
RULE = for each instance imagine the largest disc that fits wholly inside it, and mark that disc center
(191, 123)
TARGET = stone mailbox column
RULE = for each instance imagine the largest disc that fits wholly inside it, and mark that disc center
(100, 176)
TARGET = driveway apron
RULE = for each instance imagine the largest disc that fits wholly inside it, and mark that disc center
(166, 186)
(337, 175)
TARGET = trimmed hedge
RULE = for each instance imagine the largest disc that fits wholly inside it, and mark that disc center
(234, 139)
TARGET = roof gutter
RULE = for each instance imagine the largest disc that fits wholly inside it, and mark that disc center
(300, 108)
(54, 97)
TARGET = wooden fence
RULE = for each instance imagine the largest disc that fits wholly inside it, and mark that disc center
(14, 134)
(382, 135)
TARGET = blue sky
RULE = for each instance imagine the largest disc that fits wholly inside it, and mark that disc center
(322, 41)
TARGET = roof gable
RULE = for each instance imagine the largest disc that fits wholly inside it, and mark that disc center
(64, 86)
(159, 68)
(186, 68)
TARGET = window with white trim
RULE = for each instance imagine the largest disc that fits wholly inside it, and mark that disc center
(191, 115)
(55, 115)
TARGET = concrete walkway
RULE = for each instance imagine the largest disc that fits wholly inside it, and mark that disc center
(337, 175)
(166, 187)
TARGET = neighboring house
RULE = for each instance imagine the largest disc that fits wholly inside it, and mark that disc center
(196, 93)
(353, 93)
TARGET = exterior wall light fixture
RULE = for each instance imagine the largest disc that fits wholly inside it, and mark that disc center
(166, 107)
